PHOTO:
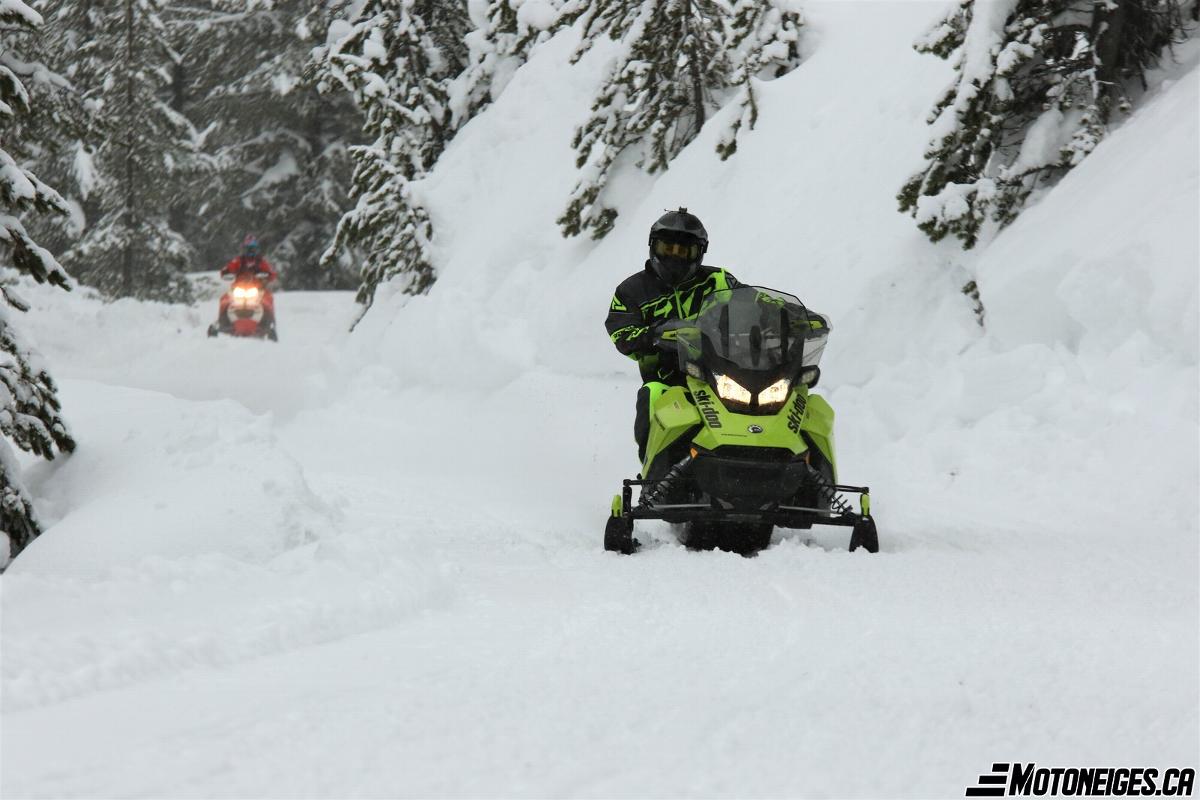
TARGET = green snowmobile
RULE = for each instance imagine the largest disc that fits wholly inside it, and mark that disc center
(745, 446)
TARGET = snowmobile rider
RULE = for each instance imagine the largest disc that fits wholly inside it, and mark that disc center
(251, 263)
(250, 260)
(671, 286)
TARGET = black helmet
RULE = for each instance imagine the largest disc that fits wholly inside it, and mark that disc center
(677, 243)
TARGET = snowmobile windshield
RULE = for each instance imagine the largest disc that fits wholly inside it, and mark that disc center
(754, 330)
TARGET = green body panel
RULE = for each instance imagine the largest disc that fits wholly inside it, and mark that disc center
(802, 419)
(672, 415)
(818, 424)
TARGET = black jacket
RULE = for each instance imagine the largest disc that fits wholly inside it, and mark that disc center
(643, 300)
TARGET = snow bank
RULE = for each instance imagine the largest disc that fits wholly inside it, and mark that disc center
(1111, 253)
(157, 476)
(184, 535)
(493, 200)
(1077, 406)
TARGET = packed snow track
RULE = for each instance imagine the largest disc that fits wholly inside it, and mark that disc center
(256, 590)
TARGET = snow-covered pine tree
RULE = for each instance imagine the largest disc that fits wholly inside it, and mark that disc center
(146, 149)
(498, 47)
(656, 98)
(765, 36)
(398, 59)
(300, 226)
(1036, 84)
(278, 148)
(59, 133)
(29, 408)
(682, 60)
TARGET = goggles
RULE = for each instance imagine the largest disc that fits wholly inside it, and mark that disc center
(688, 252)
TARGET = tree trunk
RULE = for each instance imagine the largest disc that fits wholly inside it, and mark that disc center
(130, 196)
(178, 214)
(696, 77)
(309, 264)
(1108, 27)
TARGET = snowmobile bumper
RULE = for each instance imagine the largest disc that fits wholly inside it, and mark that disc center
(780, 515)
(756, 509)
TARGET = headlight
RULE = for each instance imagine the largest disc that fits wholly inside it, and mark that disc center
(729, 389)
(776, 393)
(239, 292)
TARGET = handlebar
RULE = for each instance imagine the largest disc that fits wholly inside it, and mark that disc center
(229, 276)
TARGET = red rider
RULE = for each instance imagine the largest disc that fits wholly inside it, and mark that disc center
(252, 263)
(249, 261)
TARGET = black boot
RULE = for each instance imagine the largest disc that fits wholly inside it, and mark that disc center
(641, 422)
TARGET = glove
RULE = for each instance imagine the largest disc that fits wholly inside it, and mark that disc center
(633, 340)
(662, 336)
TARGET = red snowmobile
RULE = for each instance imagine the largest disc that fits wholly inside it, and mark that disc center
(248, 308)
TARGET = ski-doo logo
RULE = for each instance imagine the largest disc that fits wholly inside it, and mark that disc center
(796, 414)
(707, 408)
(1025, 780)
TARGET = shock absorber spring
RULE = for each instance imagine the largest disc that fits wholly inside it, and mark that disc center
(828, 493)
(657, 491)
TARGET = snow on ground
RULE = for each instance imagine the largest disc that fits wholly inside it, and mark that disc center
(370, 564)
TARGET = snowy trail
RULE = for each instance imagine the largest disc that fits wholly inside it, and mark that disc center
(428, 645)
